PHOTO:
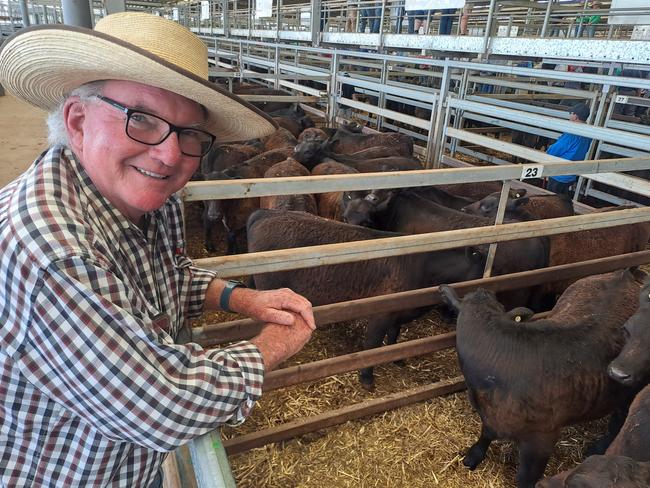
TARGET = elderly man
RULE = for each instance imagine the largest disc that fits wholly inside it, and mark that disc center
(96, 284)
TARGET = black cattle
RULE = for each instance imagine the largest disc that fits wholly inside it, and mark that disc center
(634, 438)
(273, 229)
(406, 212)
(632, 366)
(528, 377)
(603, 472)
(626, 460)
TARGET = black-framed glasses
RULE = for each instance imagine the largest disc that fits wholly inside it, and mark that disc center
(152, 130)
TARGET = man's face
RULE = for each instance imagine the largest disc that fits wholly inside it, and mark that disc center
(573, 117)
(135, 177)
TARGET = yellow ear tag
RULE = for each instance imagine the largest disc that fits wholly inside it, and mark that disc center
(518, 318)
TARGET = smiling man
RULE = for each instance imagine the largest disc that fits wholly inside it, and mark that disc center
(96, 284)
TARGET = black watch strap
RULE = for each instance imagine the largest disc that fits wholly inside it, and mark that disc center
(224, 300)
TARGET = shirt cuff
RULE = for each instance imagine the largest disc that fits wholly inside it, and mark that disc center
(251, 365)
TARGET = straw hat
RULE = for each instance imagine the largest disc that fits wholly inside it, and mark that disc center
(42, 64)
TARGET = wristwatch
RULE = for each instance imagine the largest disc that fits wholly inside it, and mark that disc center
(224, 300)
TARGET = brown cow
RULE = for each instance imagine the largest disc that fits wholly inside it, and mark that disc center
(330, 204)
(304, 203)
(529, 377)
(522, 207)
(232, 214)
(280, 139)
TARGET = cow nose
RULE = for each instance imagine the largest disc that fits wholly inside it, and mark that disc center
(618, 375)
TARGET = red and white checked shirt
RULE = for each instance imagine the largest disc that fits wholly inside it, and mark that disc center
(93, 390)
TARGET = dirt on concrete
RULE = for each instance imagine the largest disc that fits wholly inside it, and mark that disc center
(23, 136)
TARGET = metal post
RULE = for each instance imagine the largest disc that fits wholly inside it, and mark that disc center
(332, 106)
(250, 20)
(210, 462)
(277, 68)
(380, 47)
(381, 102)
(505, 189)
(24, 12)
(547, 17)
(488, 28)
(436, 144)
(458, 120)
(77, 12)
(226, 18)
(278, 19)
(315, 22)
(113, 6)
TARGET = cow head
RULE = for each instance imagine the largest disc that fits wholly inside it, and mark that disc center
(488, 206)
(363, 207)
(312, 143)
(632, 366)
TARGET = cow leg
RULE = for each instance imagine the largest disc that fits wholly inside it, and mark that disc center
(208, 236)
(614, 425)
(391, 338)
(231, 240)
(476, 454)
(375, 333)
(534, 453)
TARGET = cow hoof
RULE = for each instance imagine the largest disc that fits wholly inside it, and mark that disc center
(367, 384)
(473, 458)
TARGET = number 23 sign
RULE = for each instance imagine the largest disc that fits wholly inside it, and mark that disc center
(531, 171)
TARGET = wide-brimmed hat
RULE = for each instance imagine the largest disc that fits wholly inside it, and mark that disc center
(42, 64)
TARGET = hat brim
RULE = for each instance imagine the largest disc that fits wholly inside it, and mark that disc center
(42, 64)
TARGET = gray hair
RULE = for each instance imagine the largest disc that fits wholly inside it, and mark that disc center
(57, 133)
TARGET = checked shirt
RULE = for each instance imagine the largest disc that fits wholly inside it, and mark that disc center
(93, 390)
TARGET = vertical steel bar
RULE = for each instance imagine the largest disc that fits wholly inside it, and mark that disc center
(436, 143)
(498, 220)
(547, 17)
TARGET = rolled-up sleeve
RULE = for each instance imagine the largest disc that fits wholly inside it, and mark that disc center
(88, 349)
(201, 278)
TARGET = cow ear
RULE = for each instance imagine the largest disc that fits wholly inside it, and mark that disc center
(474, 254)
(520, 314)
(517, 202)
(385, 198)
(449, 297)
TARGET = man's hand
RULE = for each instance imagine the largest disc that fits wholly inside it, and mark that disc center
(274, 306)
(279, 342)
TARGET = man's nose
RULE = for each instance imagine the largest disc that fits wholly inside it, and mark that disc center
(169, 151)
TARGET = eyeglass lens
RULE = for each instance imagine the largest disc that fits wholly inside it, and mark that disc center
(149, 129)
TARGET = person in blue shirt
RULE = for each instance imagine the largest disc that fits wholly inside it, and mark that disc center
(571, 147)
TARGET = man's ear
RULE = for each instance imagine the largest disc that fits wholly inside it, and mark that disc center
(74, 116)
